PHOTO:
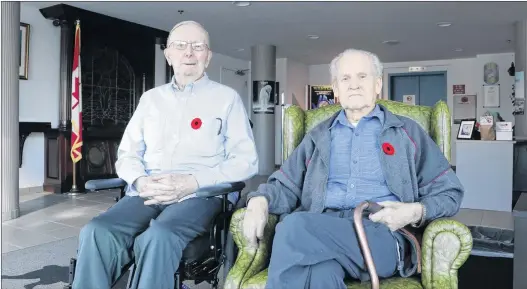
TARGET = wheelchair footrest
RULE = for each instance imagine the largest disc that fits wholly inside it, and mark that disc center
(202, 270)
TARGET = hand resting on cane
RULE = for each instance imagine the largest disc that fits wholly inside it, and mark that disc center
(166, 189)
(397, 215)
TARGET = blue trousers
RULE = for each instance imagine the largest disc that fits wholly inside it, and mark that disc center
(154, 235)
(318, 251)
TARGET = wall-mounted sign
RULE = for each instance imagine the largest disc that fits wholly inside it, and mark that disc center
(416, 68)
(458, 89)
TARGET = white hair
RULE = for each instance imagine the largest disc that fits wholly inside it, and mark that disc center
(190, 22)
(377, 65)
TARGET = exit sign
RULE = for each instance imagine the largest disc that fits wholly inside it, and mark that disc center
(416, 68)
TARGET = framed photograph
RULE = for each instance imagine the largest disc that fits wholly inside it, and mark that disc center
(24, 51)
(466, 129)
(264, 95)
(319, 95)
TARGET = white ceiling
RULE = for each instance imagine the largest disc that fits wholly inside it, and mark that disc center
(477, 27)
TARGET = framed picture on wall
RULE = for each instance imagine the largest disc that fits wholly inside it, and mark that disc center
(466, 129)
(319, 96)
(24, 51)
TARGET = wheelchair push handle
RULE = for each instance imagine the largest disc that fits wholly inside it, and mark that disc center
(370, 207)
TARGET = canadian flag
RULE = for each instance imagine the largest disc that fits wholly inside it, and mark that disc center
(76, 100)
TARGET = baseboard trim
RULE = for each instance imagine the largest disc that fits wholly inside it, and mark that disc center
(27, 190)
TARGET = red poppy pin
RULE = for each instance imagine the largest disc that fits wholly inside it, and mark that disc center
(388, 149)
(196, 123)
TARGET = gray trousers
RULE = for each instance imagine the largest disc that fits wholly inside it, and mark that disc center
(154, 235)
(318, 251)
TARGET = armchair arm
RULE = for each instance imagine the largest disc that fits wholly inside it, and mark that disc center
(446, 246)
(220, 189)
(250, 261)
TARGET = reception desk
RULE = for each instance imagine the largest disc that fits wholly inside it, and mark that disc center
(485, 168)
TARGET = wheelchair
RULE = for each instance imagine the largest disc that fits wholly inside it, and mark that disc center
(204, 256)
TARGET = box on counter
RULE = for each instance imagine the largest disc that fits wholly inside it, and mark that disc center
(504, 130)
(503, 126)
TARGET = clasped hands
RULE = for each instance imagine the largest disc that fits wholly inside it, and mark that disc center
(395, 215)
(165, 189)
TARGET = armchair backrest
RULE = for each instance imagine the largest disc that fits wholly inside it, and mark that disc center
(435, 120)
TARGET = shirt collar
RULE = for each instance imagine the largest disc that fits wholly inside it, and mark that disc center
(191, 87)
(343, 120)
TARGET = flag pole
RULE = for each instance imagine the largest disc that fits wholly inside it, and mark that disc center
(76, 109)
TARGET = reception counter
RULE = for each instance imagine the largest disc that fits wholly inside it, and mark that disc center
(485, 168)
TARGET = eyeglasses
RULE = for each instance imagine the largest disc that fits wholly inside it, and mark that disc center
(182, 45)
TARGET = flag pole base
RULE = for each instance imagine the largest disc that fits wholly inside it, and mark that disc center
(75, 192)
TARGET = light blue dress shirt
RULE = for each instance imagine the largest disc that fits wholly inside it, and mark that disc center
(160, 137)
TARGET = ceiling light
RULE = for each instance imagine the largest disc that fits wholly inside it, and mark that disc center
(391, 42)
(313, 37)
(444, 24)
(458, 49)
(240, 49)
(241, 3)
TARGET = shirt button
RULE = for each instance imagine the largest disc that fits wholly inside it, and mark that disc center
(352, 186)
(354, 161)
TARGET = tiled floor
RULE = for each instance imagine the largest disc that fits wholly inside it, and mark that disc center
(47, 217)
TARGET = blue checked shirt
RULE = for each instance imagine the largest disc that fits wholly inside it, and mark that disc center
(160, 137)
(355, 173)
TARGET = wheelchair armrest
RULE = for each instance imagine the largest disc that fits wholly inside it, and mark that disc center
(102, 184)
(220, 189)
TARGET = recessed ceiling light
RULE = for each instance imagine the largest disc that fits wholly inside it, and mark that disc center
(313, 37)
(240, 49)
(391, 42)
(444, 24)
(458, 49)
(241, 3)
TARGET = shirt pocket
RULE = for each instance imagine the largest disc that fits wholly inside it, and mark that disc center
(206, 136)
(153, 131)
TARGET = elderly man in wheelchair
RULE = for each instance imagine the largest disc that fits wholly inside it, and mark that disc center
(364, 157)
(187, 146)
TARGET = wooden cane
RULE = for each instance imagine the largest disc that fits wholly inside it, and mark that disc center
(363, 241)
(373, 208)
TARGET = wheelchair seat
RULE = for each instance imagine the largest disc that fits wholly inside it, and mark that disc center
(196, 249)
(203, 256)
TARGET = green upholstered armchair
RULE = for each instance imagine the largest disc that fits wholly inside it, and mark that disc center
(446, 243)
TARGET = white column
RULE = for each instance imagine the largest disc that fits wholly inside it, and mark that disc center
(9, 140)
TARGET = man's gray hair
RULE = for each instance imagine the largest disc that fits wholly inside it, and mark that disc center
(190, 22)
(377, 65)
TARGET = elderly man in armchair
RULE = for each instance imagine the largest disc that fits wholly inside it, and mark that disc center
(362, 153)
